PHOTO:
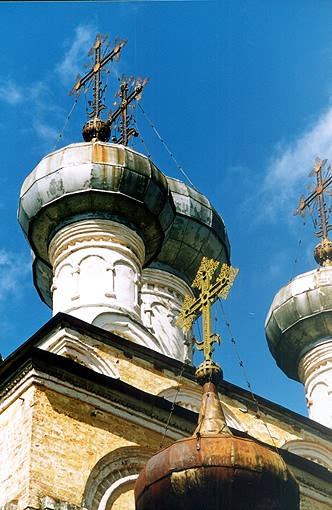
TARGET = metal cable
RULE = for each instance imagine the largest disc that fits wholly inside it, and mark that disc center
(67, 120)
(259, 413)
(161, 444)
(298, 248)
(167, 149)
(141, 138)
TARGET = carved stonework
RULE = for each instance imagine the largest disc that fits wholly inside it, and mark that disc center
(162, 296)
(69, 345)
(96, 269)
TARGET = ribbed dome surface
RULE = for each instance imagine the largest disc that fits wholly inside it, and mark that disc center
(197, 231)
(299, 318)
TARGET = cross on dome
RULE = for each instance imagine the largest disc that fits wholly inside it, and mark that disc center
(130, 90)
(209, 292)
(323, 251)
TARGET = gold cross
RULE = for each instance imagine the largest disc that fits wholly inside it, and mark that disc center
(208, 294)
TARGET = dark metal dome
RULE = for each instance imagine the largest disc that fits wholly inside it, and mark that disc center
(216, 470)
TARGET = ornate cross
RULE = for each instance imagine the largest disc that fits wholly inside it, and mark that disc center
(208, 294)
(95, 72)
(317, 196)
(128, 91)
(323, 251)
(97, 129)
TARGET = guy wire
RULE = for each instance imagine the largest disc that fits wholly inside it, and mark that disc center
(166, 147)
(259, 413)
(161, 444)
(298, 248)
(67, 120)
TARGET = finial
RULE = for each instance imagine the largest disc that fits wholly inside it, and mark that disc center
(96, 128)
(323, 251)
(209, 292)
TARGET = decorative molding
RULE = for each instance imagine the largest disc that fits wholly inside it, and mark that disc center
(311, 451)
(118, 468)
(94, 233)
(162, 296)
(70, 346)
(124, 484)
(119, 323)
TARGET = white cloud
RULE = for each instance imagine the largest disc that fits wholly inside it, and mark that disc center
(76, 54)
(13, 272)
(286, 176)
(45, 131)
(40, 107)
(10, 93)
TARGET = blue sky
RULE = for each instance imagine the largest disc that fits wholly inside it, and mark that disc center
(240, 91)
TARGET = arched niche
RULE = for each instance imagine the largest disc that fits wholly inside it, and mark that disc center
(73, 348)
(311, 451)
(110, 485)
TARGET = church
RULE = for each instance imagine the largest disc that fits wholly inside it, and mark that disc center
(97, 404)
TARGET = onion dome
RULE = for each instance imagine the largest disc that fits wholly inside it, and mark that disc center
(93, 180)
(300, 317)
(214, 469)
(197, 231)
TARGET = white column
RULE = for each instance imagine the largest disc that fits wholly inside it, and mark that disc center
(315, 372)
(162, 297)
(97, 266)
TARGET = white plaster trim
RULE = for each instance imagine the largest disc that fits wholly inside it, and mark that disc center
(122, 325)
(312, 451)
(108, 493)
(69, 346)
(313, 495)
(15, 392)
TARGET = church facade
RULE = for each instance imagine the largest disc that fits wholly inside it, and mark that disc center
(109, 380)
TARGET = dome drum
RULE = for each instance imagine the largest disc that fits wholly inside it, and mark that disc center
(95, 179)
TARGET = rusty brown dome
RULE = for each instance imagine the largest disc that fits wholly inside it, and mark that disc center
(216, 471)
